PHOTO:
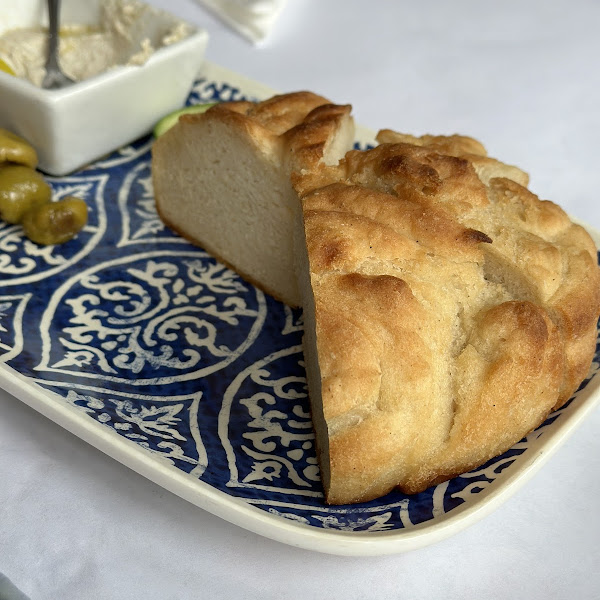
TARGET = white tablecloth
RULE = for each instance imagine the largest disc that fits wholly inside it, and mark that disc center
(521, 76)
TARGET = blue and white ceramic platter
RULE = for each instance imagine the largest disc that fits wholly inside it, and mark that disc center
(151, 350)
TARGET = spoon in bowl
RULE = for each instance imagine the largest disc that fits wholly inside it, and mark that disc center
(54, 78)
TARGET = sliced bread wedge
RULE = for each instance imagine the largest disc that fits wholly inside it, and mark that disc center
(222, 179)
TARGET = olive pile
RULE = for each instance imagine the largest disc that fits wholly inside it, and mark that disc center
(26, 197)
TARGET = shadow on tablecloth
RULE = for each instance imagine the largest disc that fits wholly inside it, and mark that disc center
(8, 591)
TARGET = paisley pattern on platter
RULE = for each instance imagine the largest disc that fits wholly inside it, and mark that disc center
(157, 316)
(154, 339)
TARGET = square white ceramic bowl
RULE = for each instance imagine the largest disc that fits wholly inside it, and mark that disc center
(73, 126)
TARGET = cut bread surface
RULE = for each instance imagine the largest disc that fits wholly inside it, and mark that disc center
(222, 180)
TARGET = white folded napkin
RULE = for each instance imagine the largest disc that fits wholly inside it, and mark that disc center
(254, 19)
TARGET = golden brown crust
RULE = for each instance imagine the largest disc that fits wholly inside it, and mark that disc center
(450, 145)
(453, 311)
(307, 142)
(282, 112)
(459, 146)
(305, 121)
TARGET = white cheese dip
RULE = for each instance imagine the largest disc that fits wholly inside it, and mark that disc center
(125, 36)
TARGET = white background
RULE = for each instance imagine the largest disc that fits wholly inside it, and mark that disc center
(523, 77)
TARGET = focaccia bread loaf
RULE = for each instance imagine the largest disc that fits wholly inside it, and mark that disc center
(222, 179)
(447, 311)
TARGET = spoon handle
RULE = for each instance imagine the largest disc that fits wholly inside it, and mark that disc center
(53, 19)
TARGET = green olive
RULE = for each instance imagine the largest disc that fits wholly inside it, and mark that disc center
(16, 150)
(55, 222)
(21, 188)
